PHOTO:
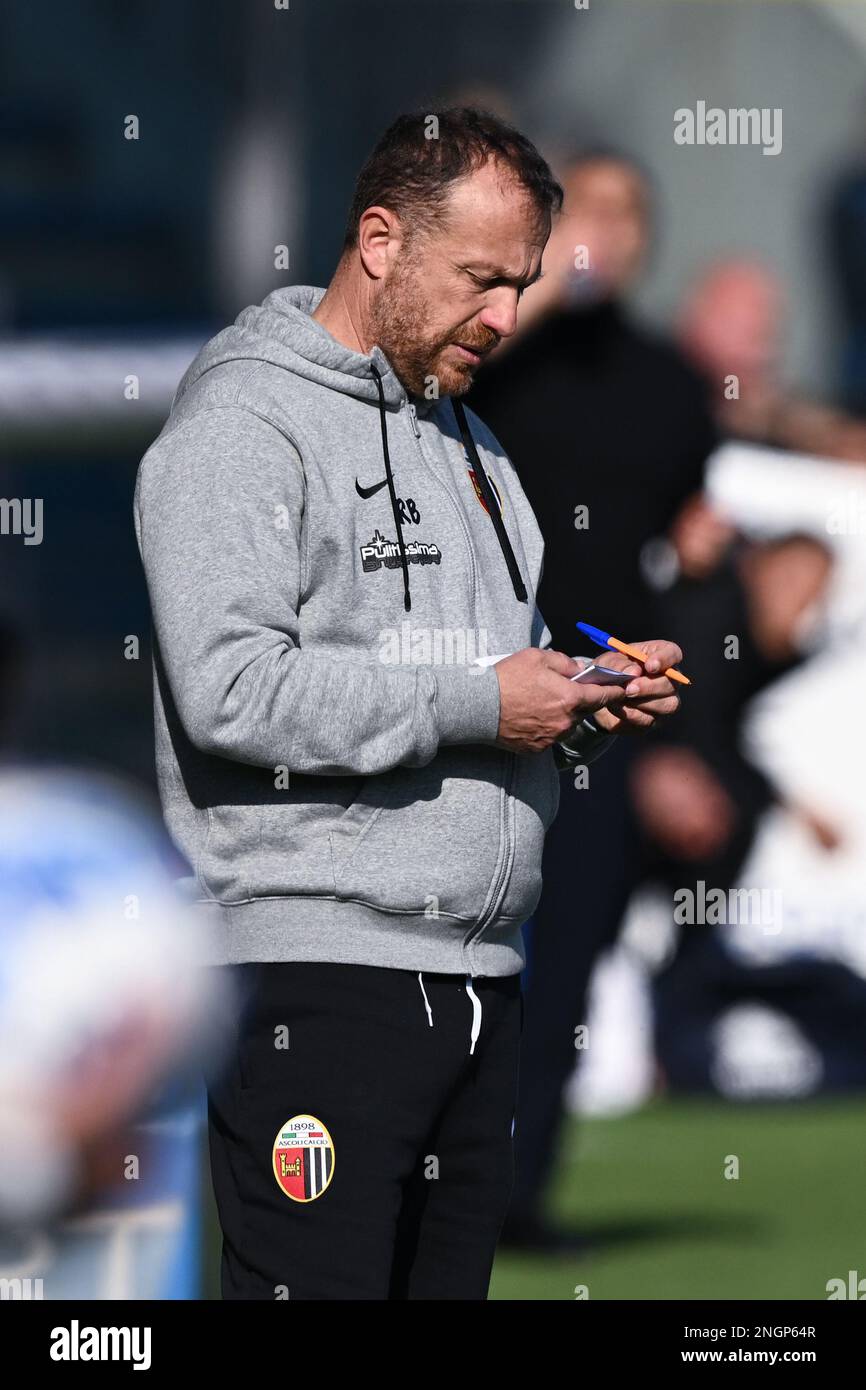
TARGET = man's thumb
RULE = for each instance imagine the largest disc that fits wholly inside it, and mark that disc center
(562, 664)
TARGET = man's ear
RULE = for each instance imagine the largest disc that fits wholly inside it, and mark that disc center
(380, 236)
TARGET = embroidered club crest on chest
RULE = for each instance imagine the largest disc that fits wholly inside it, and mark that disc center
(477, 488)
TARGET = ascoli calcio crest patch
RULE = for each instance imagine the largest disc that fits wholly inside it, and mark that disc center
(303, 1158)
(478, 494)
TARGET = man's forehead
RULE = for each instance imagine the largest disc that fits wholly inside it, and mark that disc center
(492, 201)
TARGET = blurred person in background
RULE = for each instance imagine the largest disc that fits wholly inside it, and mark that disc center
(700, 798)
(731, 327)
(598, 412)
(106, 1016)
(11, 663)
(847, 226)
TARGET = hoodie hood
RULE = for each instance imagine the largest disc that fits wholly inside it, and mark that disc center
(282, 331)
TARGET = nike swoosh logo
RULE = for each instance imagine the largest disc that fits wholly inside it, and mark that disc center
(369, 491)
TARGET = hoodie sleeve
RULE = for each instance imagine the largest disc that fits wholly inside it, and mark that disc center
(219, 507)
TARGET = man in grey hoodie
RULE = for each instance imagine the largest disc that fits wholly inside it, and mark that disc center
(330, 543)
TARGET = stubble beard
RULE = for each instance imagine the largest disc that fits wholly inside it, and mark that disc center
(399, 327)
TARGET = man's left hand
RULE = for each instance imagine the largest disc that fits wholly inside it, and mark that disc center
(651, 695)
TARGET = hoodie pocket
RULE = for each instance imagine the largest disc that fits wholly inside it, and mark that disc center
(424, 840)
(277, 843)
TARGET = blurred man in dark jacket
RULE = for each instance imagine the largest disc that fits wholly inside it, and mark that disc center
(609, 431)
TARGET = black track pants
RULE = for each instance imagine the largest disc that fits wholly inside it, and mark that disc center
(410, 1136)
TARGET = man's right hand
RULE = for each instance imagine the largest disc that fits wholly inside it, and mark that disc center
(540, 704)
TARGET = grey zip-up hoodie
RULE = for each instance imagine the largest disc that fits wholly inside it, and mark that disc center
(323, 570)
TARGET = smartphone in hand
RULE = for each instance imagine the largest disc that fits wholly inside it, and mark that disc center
(601, 675)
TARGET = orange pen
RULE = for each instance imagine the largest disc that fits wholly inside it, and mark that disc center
(604, 639)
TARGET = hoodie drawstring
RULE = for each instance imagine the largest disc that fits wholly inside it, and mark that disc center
(475, 1031)
(395, 511)
(489, 501)
(483, 481)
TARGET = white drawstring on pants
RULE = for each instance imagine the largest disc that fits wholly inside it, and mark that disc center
(476, 1010)
(476, 1014)
(426, 1000)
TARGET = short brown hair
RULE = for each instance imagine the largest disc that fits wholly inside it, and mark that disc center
(410, 172)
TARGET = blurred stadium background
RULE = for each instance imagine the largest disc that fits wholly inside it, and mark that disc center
(119, 257)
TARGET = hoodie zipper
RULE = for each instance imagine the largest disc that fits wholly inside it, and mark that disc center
(502, 874)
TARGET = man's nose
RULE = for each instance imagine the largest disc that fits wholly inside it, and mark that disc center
(500, 312)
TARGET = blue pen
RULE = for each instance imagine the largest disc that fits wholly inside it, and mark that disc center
(604, 639)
